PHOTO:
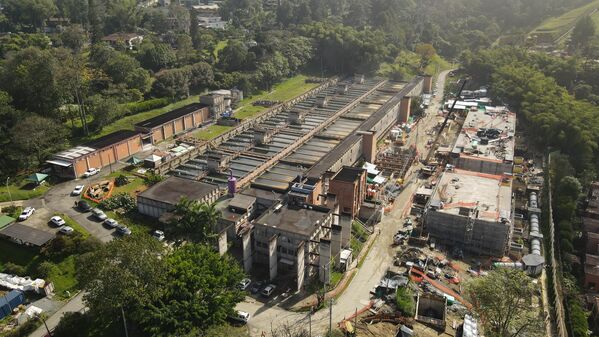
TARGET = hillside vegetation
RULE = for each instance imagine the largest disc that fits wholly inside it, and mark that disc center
(555, 27)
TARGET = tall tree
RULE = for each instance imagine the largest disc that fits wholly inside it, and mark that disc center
(30, 14)
(201, 292)
(34, 139)
(30, 77)
(126, 274)
(503, 298)
(195, 221)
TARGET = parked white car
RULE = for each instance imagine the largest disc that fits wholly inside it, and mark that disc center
(57, 221)
(27, 212)
(241, 316)
(91, 172)
(78, 190)
(98, 214)
(244, 284)
(111, 223)
(158, 235)
(266, 292)
(67, 230)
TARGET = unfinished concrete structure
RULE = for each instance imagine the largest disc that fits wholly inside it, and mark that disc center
(431, 310)
(486, 141)
(471, 211)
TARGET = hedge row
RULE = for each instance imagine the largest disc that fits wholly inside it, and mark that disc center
(137, 107)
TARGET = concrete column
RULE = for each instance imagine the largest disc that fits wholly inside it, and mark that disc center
(404, 109)
(222, 242)
(369, 146)
(324, 273)
(336, 242)
(345, 222)
(427, 84)
(300, 265)
(246, 240)
(272, 256)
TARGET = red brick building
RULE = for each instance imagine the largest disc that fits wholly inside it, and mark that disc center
(174, 122)
(349, 185)
(102, 152)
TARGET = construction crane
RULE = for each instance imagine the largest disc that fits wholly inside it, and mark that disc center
(436, 142)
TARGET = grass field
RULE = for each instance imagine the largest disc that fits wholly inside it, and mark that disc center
(283, 91)
(211, 132)
(135, 184)
(559, 25)
(22, 191)
(62, 275)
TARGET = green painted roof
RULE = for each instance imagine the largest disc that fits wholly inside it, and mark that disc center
(37, 177)
(5, 220)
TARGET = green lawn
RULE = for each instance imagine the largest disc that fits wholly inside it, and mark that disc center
(128, 122)
(74, 224)
(211, 132)
(135, 184)
(219, 46)
(63, 276)
(557, 26)
(283, 91)
(23, 190)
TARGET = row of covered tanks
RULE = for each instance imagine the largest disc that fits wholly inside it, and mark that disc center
(533, 262)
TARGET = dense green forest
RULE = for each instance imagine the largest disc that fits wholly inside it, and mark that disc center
(63, 85)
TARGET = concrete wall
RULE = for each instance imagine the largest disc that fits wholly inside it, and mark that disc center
(487, 237)
(483, 166)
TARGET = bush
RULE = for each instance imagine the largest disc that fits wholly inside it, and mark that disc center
(121, 180)
(152, 178)
(44, 269)
(64, 245)
(154, 103)
(405, 301)
(12, 268)
(25, 329)
(122, 200)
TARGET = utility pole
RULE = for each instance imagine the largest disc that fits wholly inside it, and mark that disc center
(8, 190)
(124, 322)
(310, 322)
(330, 316)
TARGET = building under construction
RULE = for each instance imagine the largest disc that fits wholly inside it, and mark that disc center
(471, 211)
(486, 141)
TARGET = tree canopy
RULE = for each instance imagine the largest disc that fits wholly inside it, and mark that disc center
(503, 299)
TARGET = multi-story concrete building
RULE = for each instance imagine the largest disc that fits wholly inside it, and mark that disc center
(471, 211)
(298, 239)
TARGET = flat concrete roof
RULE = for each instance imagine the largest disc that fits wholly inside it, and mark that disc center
(242, 201)
(172, 189)
(349, 174)
(499, 149)
(301, 221)
(489, 194)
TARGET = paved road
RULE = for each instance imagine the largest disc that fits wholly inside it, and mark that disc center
(75, 304)
(265, 317)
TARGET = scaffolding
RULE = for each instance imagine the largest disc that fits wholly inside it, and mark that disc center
(396, 160)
